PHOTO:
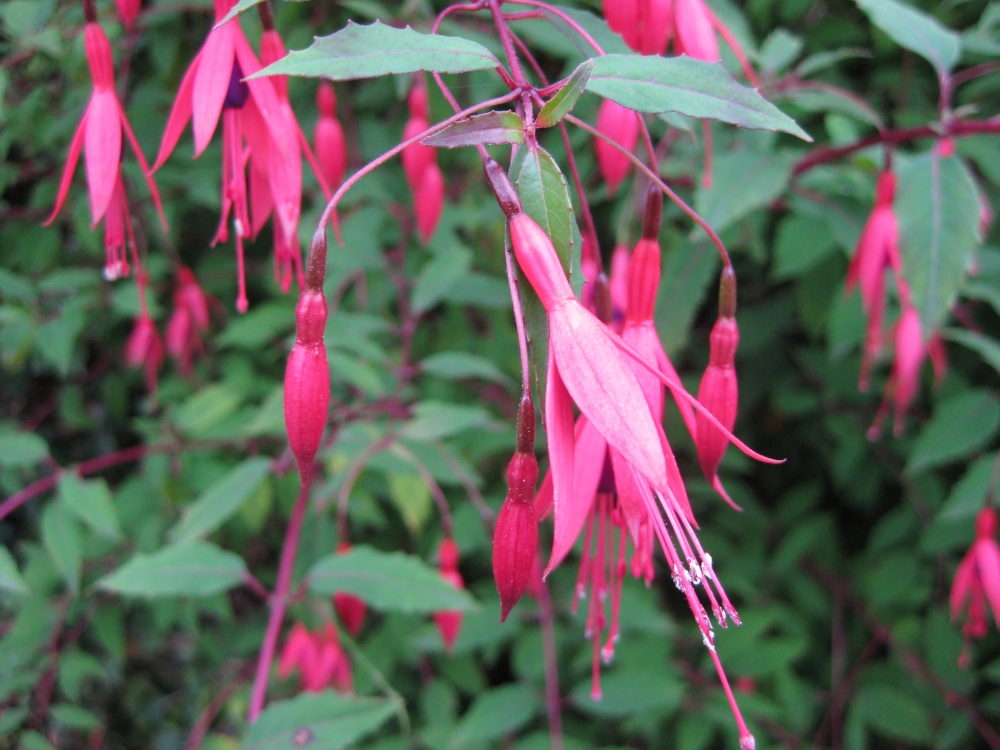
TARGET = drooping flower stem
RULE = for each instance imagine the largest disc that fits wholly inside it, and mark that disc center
(279, 599)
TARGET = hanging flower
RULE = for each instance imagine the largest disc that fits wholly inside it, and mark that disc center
(449, 622)
(621, 125)
(977, 582)
(328, 138)
(144, 349)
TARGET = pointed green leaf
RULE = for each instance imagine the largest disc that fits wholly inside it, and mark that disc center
(240, 6)
(359, 51)
(10, 576)
(389, 581)
(61, 537)
(321, 721)
(565, 99)
(21, 449)
(962, 424)
(985, 347)
(742, 181)
(189, 569)
(493, 715)
(498, 127)
(91, 501)
(938, 209)
(433, 420)
(458, 365)
(221, 501)
(691, 87)
(916, 31)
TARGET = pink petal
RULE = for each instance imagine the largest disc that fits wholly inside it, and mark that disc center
(180, 113)
(961, 585)
(693, 27)
(545, 497)
(211, 83)
(667, 368)
(103, 151)
(559, 426)
(571, 512)
(988, 562)
(75, 146)
(604, 387)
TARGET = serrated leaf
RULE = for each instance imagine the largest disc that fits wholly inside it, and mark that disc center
(190, 569)
(21, 449)
(985, 347)
(691, 87)
(221, 501)
(10, 576)
(916, 31)
(562, 103)
(938, 209)
(960, 425)
(61, 537)
(494, 714)
(359, 51)
(498, 127)
(323, 721)
(458, 365)
(90, 500)
(389, 581)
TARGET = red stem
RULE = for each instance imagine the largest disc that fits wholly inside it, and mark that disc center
(279, 600)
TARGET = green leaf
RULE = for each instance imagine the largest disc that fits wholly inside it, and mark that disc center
(321, 721)
(960, 425)
(691, 87)
(205, 409)
(433, 420)
(892, 711)
(437, 276)
(562, 103)
(938, 209)
(983, 291)
(688, 272)
(61, 537)
(412, 498)
(221, 501)
(359, 51)
(498, 127)
(193, 568)
(240, 6)
(966, 496)
(10, 576)
(458, 365)
(494, 714)
(916, 31)
(742, 182)
(389, 581)
(985, 347)
(74, 717)
(91, 501)
(21, 449)
(595, 26)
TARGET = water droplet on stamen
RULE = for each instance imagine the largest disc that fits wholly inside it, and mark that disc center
(238, 227)
(677, 578)
(695, 574)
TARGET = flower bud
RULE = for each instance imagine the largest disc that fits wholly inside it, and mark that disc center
(328, 138)
(145, 350)
(622, 126)
(428, 200)
(719, 394)
(449, 621)
(515, 541)
(351, 609)
(307, 380)
(539, 260)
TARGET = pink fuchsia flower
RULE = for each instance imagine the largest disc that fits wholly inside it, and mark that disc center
(423, 176)
(877, 251)
(449, 622)
(328, 137)
(351, 609)
(645, 25)
(99, 137)
(188, 321)
(977, 582)
(144, 349)
(213, 89)
(695, 26)
(318, 657)
(129, 11)
(621, 125)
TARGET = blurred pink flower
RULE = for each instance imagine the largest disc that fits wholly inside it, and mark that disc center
(977, 582)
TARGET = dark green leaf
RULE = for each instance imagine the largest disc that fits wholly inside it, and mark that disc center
(742, 182)
(892, 711)
(21, 449)
(190, 569)
(359, 51)
(496, 127)
(493, 715)
(10, 576)
(221, 501)
(61, 537)
(565, 99)
(916, 31)
(960, 425)
(594, 26)
(691, 87)
(438, 275)
(91, 501)
(938, 209)
(323, 721)
(458, 365)
(433, 420)
(239, 7)
(388, 581)
(985, 347)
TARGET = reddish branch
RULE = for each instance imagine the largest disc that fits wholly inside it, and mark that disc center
(826, 154)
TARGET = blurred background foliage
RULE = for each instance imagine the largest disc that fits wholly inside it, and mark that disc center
(840, 563)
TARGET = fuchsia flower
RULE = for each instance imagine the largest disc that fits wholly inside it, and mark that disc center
(351, 609)
(622, 126)
(423, 176)
(99, 136)
(319, 659)
(188, 320)
(328, 138)
(144, 349)
(253, 123)
(129, 11)
(449, 622)
(977, 582)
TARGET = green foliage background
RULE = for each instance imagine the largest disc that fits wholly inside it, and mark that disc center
(840, 563)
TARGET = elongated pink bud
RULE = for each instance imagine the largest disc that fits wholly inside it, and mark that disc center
(144, 349)
(695, 36)
(129, 11)
(351, 609)
(719, 391)
(657, 23)
(449, 621)
(328, 138)
(539, 260)
(515, 538)
(307, 380)
(622, 126)
(428, 201)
